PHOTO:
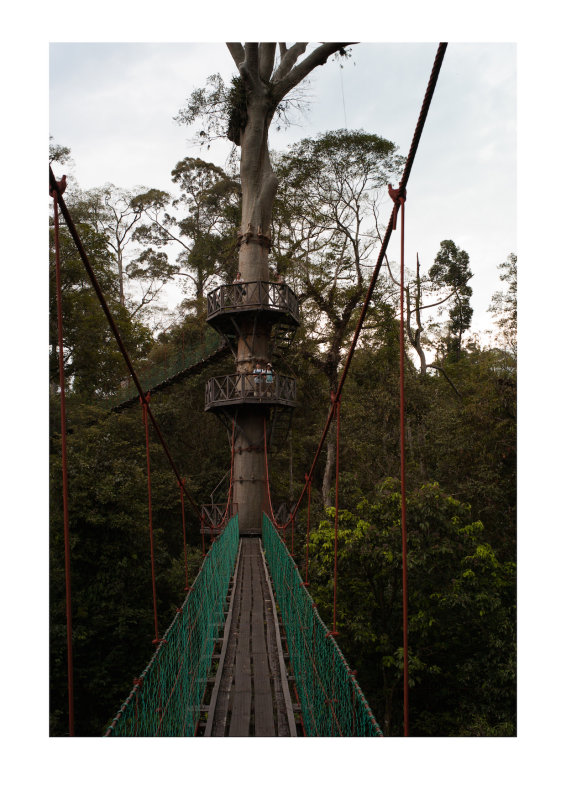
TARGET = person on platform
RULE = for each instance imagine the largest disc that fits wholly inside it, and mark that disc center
(258, 374)
(269, 380)
(239, 289)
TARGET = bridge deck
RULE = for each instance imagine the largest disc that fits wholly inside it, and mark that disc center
(251, 693)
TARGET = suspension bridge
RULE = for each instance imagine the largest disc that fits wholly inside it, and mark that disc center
(247, 653)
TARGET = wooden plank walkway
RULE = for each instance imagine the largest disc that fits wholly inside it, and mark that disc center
(251, 695)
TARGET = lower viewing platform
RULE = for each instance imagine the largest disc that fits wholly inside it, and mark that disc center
(249, 388)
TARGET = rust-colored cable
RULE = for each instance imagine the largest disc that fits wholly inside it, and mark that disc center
(184, 536)
(403, 488)
(293, 537)
(334, 630)
(267, 474)
(70, 683)
(144, 405)
(308, 530)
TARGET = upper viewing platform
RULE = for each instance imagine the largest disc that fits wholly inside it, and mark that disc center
(276, 298)
(251, 388)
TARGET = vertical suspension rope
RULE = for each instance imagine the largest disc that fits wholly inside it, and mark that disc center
(337, 414)
(403, 488)
(154, 589)
(308, 528)
(70, 682)
(181, 485)
(293, 537)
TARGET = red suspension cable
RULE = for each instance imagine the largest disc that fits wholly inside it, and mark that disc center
(184, 535)
(403, 488)
(146, 427)
(334, 630)
(308, 528)
(70, 684)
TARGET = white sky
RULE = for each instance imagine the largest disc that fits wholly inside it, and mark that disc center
(113, 105)
(427, 769)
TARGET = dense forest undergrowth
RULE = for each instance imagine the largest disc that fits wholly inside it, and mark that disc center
(460, 439)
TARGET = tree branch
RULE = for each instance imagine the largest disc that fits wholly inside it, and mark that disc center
(441, 370)
(300, 71)
(236, 51)
(288, 59)
(266, 59)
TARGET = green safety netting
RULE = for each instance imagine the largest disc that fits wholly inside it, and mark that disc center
(172, 361)
(332, 703)
(167, 697)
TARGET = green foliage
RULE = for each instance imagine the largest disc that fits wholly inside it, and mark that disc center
(58, 153)
(238, 111)
(461, 611)
(93, 364)
(450, 270)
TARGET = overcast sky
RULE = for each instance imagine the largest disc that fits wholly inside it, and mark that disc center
(113, 105)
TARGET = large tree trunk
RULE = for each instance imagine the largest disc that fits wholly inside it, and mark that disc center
(264, 89)
(258, 192)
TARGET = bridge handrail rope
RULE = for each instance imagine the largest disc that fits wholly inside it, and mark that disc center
(331, 700)
(181, 362)
(174, 681)
(229, 505)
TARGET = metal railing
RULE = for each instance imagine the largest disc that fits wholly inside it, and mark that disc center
(250, 388)
(253, 295)
(215, 513)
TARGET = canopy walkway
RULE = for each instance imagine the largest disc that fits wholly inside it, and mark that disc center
(223, 668)
(177, 365)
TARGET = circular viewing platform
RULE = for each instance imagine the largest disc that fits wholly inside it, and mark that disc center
(276, 298)
(249, 388)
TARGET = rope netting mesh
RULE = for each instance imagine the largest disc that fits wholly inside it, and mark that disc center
(170, 362)
(332, 703)
(166, 699)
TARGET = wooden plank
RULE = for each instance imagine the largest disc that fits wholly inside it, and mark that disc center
(225, 653)
(285, 718)
(242, 691)
(264, 723)
(253, 682)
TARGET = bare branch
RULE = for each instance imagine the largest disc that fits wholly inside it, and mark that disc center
(441, 370)
(236, 51)
(300, 71)
(288, 59)
(266, 59)
(431, 305)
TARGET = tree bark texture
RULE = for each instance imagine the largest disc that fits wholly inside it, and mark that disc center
(264, 88)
